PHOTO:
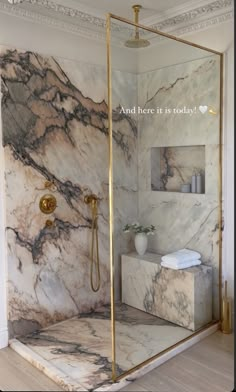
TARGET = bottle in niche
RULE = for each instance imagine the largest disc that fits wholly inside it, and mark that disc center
(199, 183)
(194, 184)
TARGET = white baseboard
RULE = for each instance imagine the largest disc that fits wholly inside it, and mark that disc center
(3, 338)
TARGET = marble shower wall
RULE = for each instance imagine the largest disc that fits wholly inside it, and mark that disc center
(173, 166)
(55, 128)
(125, 176)
(182, 220)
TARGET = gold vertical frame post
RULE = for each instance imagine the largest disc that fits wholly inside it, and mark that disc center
(220, 220)
(111, 225)
(221, 181)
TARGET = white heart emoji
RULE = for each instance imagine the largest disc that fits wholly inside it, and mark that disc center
(203, 109)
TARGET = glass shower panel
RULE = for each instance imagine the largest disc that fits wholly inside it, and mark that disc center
(166, 121)
(124, 96)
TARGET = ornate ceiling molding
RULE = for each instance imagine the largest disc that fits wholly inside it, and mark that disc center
(51, 22)
(207, 11)
(200, 26)
(15, 1)
(76, 16)
(93, 27)
(69, 12)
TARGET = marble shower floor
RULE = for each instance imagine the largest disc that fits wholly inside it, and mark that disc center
(81, 347)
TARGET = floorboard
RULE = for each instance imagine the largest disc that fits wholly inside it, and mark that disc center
(18, 375)
(206, 367)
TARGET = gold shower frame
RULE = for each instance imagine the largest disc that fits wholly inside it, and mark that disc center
(111, 227)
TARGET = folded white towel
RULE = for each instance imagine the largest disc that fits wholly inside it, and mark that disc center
(181, 256)
(189, 264)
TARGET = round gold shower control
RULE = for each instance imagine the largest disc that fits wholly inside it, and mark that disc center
(47, 204)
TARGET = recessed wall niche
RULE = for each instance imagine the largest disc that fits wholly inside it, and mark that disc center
(171, 167)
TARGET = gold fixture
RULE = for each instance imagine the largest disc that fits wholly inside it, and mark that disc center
(136, 41)
(50, 185)
(111, 227)
(49, 223)
(226, 325)
(93, 201)
(48, 204)
(212, 110)
(90, 199)
(111, 16)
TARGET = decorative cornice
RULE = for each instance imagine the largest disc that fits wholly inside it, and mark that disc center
(94, 27)
(69, 12)
(200, 26)
(87, 19)
(206, 11)
(51, 22)
(201, 7)
(15, 1)
(204, 24)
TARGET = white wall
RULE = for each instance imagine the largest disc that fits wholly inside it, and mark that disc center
(26, 35)
(228, 243)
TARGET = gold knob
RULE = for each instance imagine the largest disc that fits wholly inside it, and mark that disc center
(47, 204)
(49, 223)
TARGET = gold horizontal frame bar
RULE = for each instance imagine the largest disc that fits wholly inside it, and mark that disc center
(158, 32)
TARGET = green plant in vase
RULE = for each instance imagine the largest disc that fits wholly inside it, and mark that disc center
(141, 235)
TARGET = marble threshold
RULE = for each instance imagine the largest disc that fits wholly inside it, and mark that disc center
(76, 353)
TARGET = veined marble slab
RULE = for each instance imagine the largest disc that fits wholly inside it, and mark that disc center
(173, 166)
(78, 351)
(55, 128)
(70, 385)
(183, 297)
(182, 220)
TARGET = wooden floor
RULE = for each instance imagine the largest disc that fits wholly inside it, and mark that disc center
(205, 367)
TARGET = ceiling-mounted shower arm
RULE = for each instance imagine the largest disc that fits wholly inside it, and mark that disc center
(136, 41)
(136, 9)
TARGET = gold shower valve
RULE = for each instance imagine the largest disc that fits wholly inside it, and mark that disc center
(47, 204)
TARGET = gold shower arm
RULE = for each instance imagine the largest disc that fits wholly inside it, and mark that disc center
(136, 9)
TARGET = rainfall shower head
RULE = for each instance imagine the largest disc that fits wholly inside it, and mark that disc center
(136, 41)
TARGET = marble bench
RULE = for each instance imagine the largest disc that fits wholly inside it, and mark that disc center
(183, 297)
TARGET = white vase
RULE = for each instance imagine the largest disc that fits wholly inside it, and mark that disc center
(141, 242)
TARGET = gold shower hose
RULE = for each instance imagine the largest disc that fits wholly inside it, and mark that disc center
(93, 201)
